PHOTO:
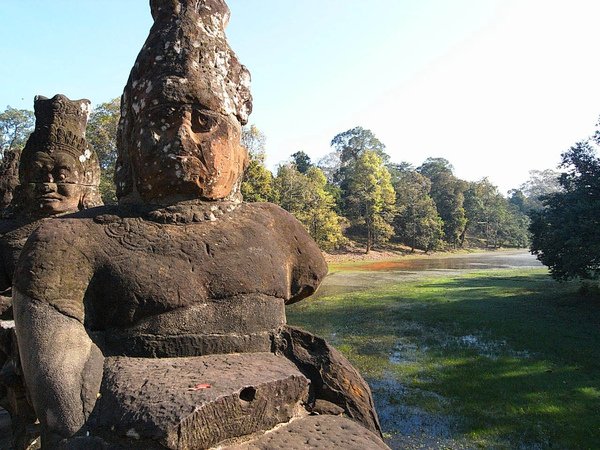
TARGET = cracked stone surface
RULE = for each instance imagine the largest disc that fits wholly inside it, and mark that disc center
(316, 432)
(186, 403)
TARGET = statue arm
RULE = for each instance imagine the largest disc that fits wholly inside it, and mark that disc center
(309, 267)
(61, 364)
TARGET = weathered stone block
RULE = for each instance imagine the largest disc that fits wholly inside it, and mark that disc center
(317, 432)
(333, 379)
(192, 403)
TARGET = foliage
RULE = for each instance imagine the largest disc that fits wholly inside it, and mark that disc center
(565, 231)
(101, 134)
(257, 185)
(491, 217)
(370, 197)
(255, 142)
(302, 161)
(539, 184)
(324, 224)
(306, 197)
(417, 222)
(15, 127)
(330, 165)
(447, 192)
(351, 144)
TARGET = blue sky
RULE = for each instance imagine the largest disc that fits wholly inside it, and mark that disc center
(498, 87)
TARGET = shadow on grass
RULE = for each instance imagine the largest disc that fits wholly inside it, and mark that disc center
(515, 353)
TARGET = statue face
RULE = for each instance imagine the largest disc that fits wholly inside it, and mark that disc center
(185, 152)
(53, 183)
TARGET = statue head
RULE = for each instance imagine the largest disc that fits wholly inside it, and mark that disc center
(58, 172)
(182, 109)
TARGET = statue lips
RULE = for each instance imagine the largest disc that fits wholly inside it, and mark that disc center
(50, 198)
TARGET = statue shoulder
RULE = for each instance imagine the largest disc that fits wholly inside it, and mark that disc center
(308, 266)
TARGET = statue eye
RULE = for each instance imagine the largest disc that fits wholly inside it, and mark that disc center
(202, 122)
(63, 174)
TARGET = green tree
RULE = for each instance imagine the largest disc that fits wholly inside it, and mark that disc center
(517, 198)
(15, 127)
(351, 144)
(101, 133)
(447, 192)
(565, 232)
(491, 217)
(371, 198)
(291, 189)
(306, 197)
(302, 161)
(257, 185)
(339, 166)
(417, 222)
(255, 142)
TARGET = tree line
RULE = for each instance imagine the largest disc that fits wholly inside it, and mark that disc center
(355, 193)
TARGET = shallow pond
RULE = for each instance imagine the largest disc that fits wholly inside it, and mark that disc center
(368, 275)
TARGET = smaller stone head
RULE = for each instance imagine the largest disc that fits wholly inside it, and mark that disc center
(58, 172)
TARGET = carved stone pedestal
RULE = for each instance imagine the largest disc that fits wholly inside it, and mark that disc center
(192, 403)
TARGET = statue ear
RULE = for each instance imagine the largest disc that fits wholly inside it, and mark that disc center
(90, 199)
(82, 201)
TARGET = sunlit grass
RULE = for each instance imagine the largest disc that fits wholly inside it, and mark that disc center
(511, 354)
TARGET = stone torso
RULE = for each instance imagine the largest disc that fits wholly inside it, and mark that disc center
(234, 271)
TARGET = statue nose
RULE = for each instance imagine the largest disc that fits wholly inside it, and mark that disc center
(48, 187)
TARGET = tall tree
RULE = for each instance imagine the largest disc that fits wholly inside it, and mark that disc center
(255, 142)
(447, 192)
(306, 197)
(302, 161)
(101, 133)
(417, 222)
(257, 185)
(320, 217)
(492, 218)
(371, 198)
(15, 127)
(539, 184)
(565, 232)
(339, 168)
(351, 144)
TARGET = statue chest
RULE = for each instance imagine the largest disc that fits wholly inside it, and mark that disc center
(153, 268)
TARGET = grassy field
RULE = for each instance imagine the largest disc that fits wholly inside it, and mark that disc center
(490, 359)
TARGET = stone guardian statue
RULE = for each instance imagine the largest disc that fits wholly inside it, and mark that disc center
(160, 322)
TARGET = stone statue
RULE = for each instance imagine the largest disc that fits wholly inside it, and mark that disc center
(58, 173)
(9, 177)
(160, 322)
